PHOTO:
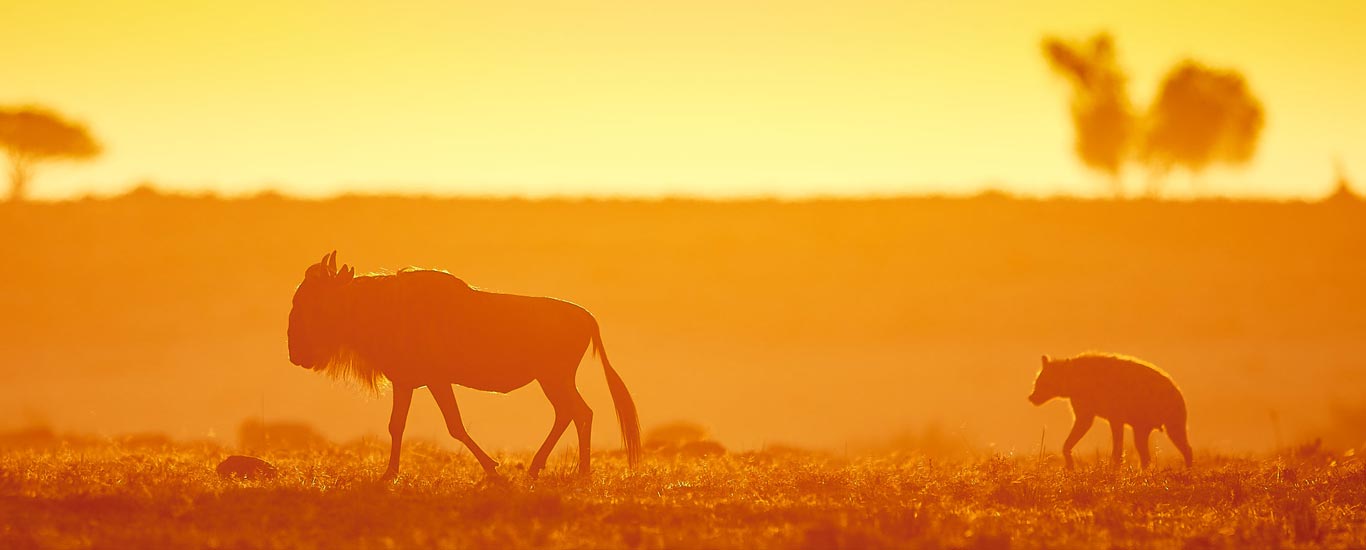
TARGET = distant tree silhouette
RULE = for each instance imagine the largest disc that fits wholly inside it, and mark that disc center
(1102, 115)
(1200, 116)
(30, 135)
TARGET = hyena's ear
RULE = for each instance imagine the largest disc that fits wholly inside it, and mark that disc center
(1046, 360)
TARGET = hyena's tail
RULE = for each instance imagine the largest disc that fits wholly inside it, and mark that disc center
(627, 417)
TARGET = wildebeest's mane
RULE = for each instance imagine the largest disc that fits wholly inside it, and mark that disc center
(360, 295)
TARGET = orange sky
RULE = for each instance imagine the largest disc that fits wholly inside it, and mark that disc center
(643, 98)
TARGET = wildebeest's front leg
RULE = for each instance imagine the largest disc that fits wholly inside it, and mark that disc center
(1083, 422)
(445, 398)
(398, 419)
(1117, 438)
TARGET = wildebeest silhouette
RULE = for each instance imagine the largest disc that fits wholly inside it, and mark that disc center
(428, 328)
(1120, 389)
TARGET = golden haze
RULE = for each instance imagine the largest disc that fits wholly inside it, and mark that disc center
(817, 324)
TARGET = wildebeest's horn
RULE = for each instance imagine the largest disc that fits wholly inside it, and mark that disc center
(332, 262)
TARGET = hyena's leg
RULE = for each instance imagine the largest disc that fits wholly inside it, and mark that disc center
(1141, 434)
(1079, 428)
(398, 419)
(561, 393)
(1117, 439)
(1177, 433)
(445, 398)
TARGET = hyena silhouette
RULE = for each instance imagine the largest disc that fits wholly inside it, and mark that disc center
(1120, 389)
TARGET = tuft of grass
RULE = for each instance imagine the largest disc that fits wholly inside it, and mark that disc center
(169, 497)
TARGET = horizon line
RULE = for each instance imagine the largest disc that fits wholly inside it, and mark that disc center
(152, 191)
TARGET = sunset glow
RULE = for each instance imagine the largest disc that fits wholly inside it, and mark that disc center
(629, 98)
(976, 274)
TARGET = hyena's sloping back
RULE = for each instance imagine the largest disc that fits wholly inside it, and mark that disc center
(1127, 389)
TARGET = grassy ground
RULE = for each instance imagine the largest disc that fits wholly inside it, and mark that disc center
(115, 497)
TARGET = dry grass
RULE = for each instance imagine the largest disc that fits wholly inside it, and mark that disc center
(109, 496)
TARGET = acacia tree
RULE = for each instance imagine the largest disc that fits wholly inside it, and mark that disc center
(32, 135)
(1102, 115)
(1200, 116)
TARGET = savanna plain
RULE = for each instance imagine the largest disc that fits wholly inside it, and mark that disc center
(113, 496)
(858, 369)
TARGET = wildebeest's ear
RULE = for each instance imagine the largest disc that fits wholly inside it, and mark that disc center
(347, 273)
(1046, 360)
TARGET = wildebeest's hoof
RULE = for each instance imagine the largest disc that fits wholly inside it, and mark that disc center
(246, 467)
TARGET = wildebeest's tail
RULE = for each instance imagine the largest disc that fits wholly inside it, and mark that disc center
(621, 400)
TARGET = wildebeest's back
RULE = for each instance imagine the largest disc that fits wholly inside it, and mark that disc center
(425, 327)
(1127, 390)
(507, 328)
(487, 340)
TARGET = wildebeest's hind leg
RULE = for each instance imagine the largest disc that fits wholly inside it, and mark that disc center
(398, 419)
(1177, 433)
(1080, 426)
(583, 423)
(1117, 437)
(569, 406)
(445, 398)
(1141, 434)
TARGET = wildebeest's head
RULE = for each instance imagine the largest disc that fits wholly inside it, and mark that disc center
(315, 320)
(1048, 384)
